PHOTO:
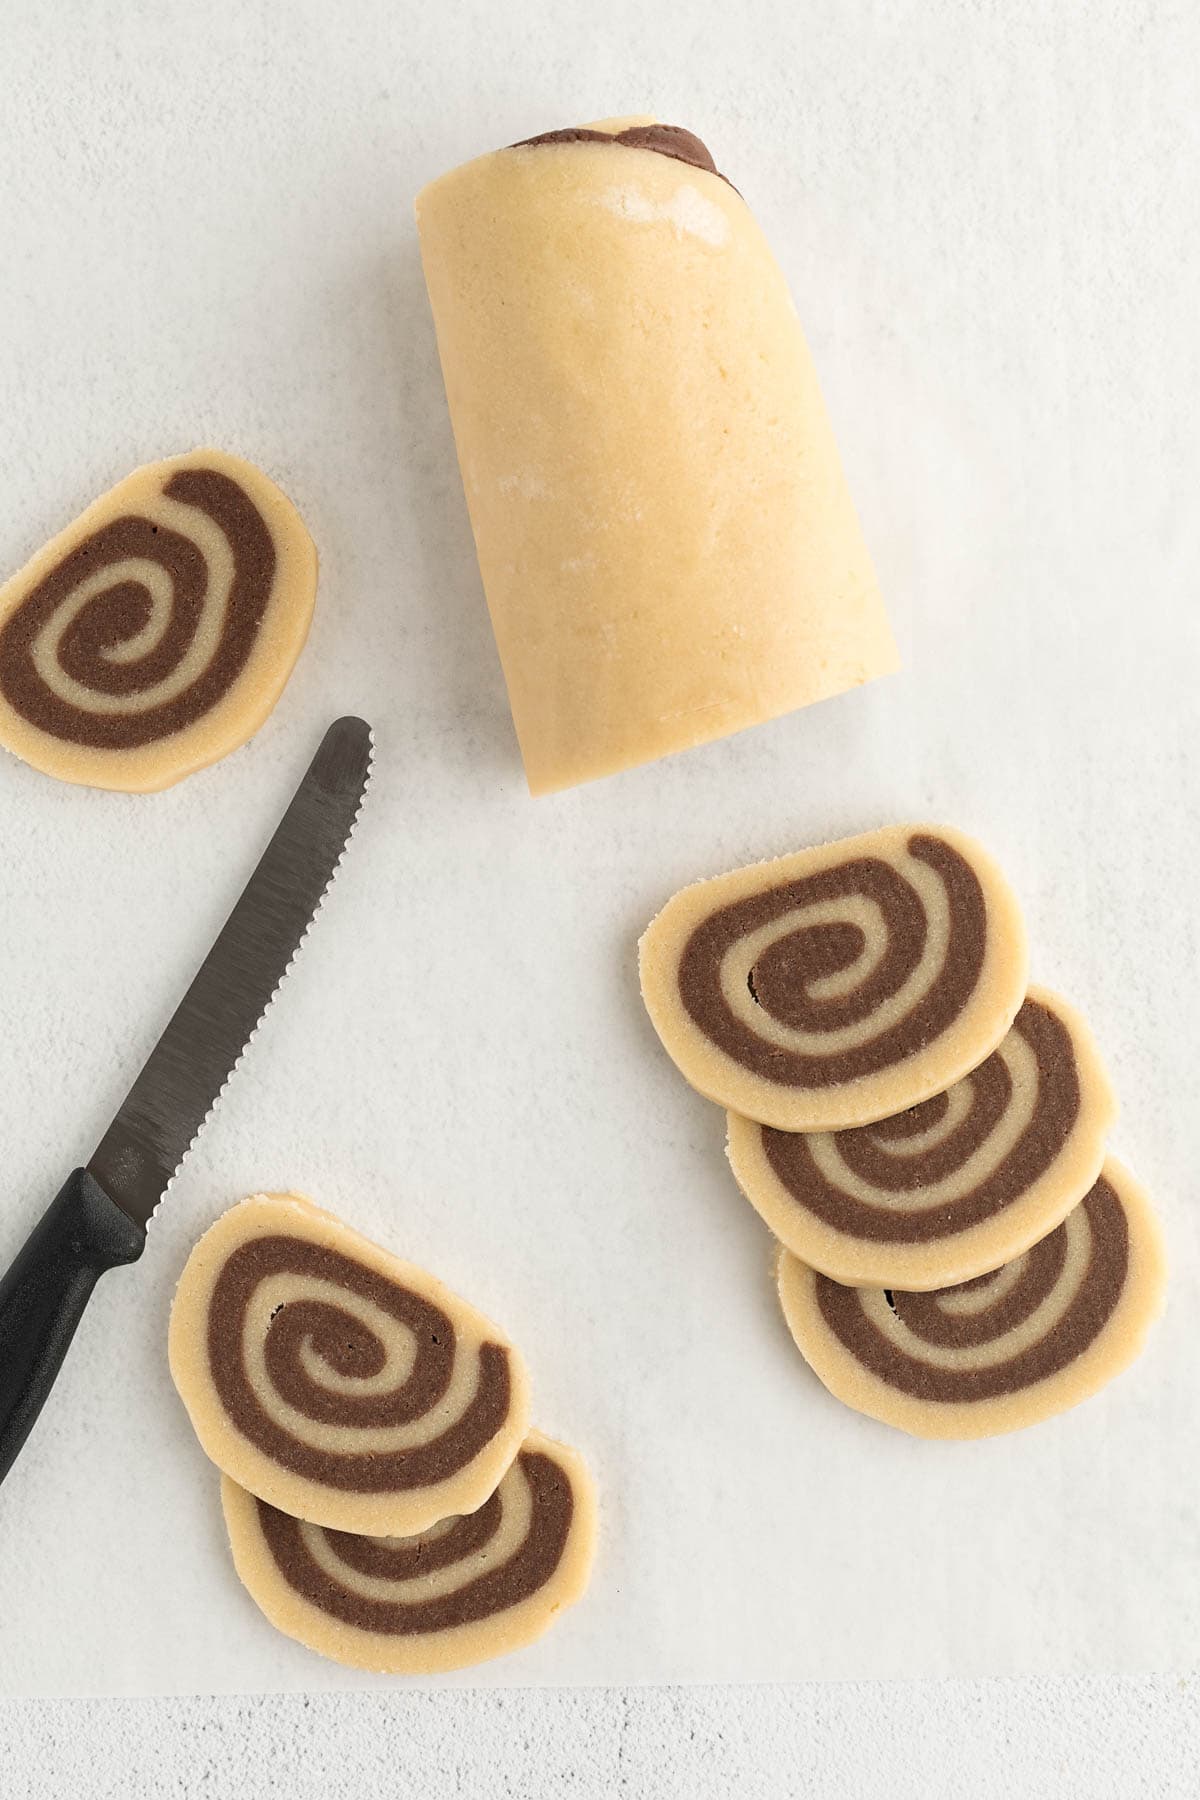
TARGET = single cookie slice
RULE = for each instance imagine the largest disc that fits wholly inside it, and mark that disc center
(467, 1589)
(334, 1380)
(840, 985)
(1002, 1351)
(953, 1187)
(159, 629)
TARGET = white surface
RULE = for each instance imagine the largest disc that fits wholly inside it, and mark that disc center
(985, 216)
(1131, 1739)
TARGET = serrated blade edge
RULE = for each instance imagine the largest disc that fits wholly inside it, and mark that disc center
(190, 1066)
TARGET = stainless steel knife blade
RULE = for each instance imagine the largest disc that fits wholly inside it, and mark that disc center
(163, 1112)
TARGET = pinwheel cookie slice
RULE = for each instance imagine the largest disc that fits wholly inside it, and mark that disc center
(158, 630)
(953, 1187)
(336, 1382)
(990, 1355)
(839, 985)
(467, 1589)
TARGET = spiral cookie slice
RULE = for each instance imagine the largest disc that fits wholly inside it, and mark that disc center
(953, 1187)
(467, 1589)
(337, 1382)
(1004, 1350)
(840, 985)
(158, 630)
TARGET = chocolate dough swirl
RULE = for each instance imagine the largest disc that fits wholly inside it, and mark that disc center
(335, 1381)
(798, 958)
(999, 1333)
(132, 603)
(666, 140)
(950, 1187)
(839, 985)
(486, 1562)
(322, 1357)
(1000, 1351)
(858, 1180)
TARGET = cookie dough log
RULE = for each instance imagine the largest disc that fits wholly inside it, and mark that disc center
(468, 1589)
(1005, 1350)
(158, 630)
(953, 1187)
(840, 985)
(335, 1381)
(666, 540)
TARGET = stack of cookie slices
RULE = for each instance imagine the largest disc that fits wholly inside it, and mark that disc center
(923, 1131)
(387, 1504)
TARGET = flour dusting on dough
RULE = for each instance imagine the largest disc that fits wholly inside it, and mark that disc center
(687, 211)
(527, 483)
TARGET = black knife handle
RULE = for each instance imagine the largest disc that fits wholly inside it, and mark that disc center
(43, 1295)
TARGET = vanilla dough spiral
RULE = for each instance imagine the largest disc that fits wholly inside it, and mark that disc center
(156, 632)
(1003, 1350)
(334, 1381)
(471, 1587)
(840, 985)
(954, 1186)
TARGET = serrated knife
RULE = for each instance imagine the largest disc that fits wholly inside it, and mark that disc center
(99, 1218)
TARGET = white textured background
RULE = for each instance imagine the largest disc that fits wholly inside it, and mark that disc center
(988, 214)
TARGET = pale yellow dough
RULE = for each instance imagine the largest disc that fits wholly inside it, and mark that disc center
(791, 910)
(394, 1642)
(1118, 1341)
(666, 540)
(908, 1255)
(233, 710)
(309, 1455)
